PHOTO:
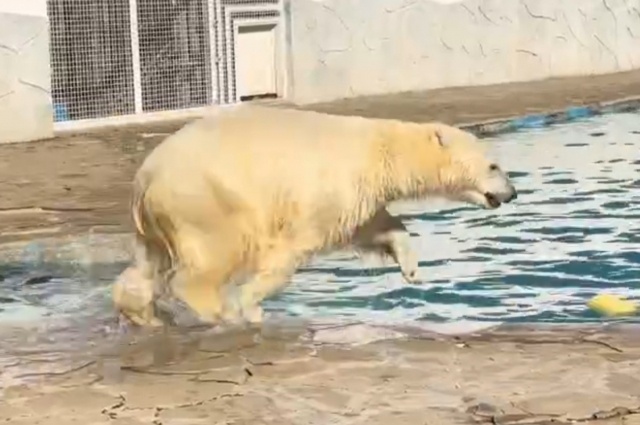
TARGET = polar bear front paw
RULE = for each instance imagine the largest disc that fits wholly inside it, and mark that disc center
(410, 276)
(406, 259)
(410, 273)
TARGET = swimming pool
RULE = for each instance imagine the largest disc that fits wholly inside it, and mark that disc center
(573, 232)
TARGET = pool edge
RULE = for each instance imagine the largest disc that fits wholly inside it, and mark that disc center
(494, 127)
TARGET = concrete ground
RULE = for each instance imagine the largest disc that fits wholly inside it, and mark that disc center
(282, 376)
(507, 377)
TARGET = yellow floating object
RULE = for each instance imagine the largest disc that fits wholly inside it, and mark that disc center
(611, 305)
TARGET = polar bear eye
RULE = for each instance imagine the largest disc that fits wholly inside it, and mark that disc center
(494, 167)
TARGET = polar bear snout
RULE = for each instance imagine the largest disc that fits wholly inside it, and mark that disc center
(513, 195)
(496, 188)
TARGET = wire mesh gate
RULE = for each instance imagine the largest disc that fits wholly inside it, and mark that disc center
(123, 57)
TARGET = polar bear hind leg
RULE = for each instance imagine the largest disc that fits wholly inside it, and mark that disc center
(201, 280)
(204, 230)
(274, 269)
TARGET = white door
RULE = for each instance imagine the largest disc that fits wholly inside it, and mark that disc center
(256, 61)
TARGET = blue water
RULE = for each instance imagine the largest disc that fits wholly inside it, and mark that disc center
(573, 232)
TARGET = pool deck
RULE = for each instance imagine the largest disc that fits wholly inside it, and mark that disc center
(78, 183)
(293, 377)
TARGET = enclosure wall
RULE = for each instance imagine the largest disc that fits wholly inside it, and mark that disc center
(134, 57)
(361, 47)
(25, 95)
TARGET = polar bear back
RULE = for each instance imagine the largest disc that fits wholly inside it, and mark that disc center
(260, 152)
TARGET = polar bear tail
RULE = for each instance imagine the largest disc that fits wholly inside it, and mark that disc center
(137, 209)
(150, 232)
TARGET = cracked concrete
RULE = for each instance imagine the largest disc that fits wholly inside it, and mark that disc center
(508, 375)
(371, 47)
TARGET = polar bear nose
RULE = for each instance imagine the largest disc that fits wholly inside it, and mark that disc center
(513, 194)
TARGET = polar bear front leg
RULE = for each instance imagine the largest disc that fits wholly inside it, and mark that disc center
(386, 233)
(397, 244)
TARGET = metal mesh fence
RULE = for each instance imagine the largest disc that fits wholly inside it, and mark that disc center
(174, 54)
(121, 57)
(91, 61)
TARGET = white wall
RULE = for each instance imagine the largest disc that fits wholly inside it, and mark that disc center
(25, 88)
(24, 7)
(344, 48)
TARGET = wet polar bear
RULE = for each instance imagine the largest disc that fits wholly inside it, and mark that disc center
(227, 208)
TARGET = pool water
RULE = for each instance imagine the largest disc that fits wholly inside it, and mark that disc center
(573, 232)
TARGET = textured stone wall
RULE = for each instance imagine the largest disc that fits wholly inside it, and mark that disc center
(25, 93)
(344, 48)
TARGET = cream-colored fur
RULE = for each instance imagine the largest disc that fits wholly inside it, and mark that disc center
(227, 208)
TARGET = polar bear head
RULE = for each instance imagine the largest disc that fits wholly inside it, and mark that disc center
(435, 159)
(466, 173)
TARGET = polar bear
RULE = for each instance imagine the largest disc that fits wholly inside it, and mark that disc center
(228, 207)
